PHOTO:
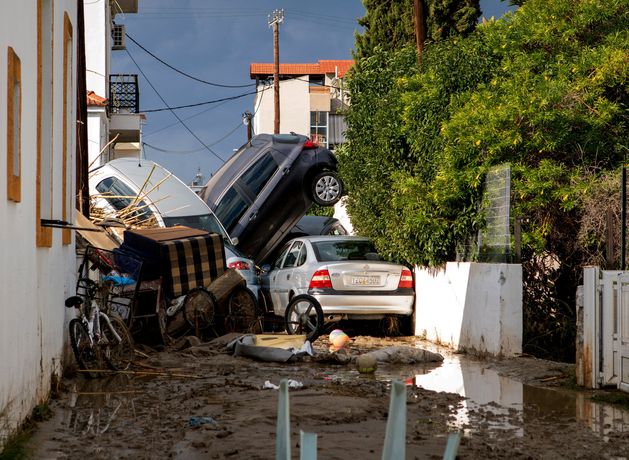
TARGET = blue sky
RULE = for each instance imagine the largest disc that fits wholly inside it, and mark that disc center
(216, 44)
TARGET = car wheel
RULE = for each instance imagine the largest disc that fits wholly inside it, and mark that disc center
(326, 188)
(304, 315)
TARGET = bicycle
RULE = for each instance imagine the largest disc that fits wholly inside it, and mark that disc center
(98, 340)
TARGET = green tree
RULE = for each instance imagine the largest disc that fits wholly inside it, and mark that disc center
(389, 23)
(544, 89)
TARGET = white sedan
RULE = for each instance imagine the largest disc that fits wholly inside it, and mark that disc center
(344, 274)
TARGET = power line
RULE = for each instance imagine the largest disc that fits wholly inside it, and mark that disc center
(186, 119)
(172, 111)
(172, 151)
(184, 73)
(231, 98)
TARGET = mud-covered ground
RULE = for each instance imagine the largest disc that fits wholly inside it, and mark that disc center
(202, 402)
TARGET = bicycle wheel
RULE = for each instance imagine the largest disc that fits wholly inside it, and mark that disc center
(199, 308)
(304, 315)
(87, 356)
(118, 353)
(242, 312)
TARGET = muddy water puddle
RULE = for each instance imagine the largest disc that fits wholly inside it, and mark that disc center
(492, 403)
(496, 403)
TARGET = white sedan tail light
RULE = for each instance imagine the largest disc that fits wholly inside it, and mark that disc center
(321, 280)
(406, 279)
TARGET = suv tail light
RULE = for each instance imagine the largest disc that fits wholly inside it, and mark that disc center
(240, 265)
(309, 145)
(406, 279)
(320, 280)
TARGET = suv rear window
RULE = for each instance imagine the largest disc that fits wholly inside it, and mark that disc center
(230, 209)
(259, 174)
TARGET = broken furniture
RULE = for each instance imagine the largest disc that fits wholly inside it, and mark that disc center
(201, 294)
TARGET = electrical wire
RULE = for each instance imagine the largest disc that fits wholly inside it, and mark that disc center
(184, 73)
(172, 151)
(163, 128)
(172, 111)
(202, 103)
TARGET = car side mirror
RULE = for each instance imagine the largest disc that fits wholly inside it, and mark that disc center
(266, 268)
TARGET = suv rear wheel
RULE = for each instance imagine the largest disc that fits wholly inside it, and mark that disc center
(326, 188)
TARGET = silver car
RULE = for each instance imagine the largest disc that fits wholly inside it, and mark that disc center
(344, 274)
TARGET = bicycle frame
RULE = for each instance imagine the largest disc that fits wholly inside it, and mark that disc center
(93, 318)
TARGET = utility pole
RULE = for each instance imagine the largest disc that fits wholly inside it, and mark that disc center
(246, 119)
(419, 19)
(274, 21)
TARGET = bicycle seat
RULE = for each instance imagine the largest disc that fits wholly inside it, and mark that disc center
(74, 301)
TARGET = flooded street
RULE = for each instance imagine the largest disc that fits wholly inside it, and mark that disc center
(204, 403)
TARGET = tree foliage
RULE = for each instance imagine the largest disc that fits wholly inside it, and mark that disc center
(389, 24)
(543, 89)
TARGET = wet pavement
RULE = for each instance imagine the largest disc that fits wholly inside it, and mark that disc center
(131, 416)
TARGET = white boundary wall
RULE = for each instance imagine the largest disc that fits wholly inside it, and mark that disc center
(471, 306)
(34, 281)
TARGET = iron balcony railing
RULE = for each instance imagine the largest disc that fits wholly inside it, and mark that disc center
(124, 94)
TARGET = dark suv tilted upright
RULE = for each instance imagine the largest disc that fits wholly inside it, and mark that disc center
(261, 192)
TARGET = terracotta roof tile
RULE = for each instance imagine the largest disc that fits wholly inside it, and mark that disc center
(94, 99)
(321, 67)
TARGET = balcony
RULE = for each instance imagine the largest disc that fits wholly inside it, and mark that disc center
(124, 95)
(124, 108)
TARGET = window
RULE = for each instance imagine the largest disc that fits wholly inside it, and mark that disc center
(316, 80)
(68, 127)
(44, 195)
(207, 222)
(230, 209)
(293, 257)
(260, 173)
(120, 196)
(328, 251)
(14, 123)
(278, 261)
(319, 128)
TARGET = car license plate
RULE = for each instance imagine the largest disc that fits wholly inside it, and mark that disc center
(365, 280)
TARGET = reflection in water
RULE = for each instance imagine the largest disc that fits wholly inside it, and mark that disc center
(511, 403)
(94, 404)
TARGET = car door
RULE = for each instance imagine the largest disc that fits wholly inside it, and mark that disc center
(283, 278)
(270, 278)
(255, 227)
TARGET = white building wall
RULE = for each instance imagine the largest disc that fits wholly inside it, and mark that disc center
(97, 129)
(97, 64)
(294, 108)
(97, 45)
(33, 281)
(473, 306)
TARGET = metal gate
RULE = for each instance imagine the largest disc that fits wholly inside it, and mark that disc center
(603, 358)
(622, 342)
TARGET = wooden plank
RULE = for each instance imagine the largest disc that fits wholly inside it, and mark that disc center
(225, 284)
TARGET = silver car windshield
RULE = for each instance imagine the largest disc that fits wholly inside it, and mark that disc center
(207, 222)
(331, 251)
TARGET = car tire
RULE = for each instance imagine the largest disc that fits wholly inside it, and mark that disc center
(326, 188)
(304, 315)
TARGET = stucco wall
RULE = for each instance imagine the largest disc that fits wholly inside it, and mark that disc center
(294, 108)
(471, 306)
(97, 46)
(33, 281)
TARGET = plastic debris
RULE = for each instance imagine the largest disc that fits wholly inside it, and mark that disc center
(201, 420)
(290, 383)
(175, 305)
(338, 340)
